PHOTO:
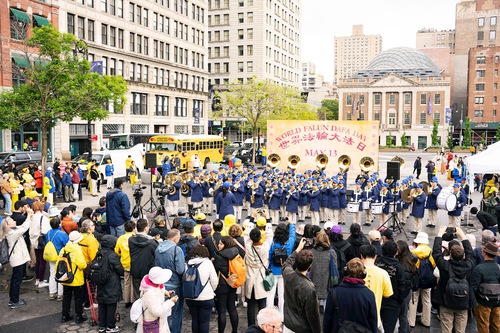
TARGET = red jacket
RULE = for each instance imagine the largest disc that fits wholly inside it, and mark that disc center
(75, 178)
(38, 179)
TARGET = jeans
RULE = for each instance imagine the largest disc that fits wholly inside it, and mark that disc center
(107, 315)
(77, 292)
(175, 320)
(200, 314)
(251, 302)
(15, 283)
(59, 187)
(226, 298)
(389, 313)
(117, 231)
(404, 326)
(8, 203)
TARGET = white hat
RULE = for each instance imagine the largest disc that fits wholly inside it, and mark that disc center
(157, 275)
(75, 237)
(422, 238)
(374, 235)
(53, 211)
(328, 225)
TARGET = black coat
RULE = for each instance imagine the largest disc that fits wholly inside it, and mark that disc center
(221, 262)
(111, 292)
(142, 255)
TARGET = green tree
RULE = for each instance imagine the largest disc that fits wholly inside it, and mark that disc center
(59, 86)
(434, 135)
(259, 101)
(449, 140)
(497, 135)
(467, 133)
(329, 109)
(389, 140)
(404, 139)
(483, 139)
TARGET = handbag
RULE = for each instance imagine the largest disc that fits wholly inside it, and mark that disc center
(151, 326)
(268, 280)
(334, 278)
(41, 237)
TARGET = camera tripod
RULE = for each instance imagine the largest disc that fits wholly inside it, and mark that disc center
(151, 201)
(395, 222)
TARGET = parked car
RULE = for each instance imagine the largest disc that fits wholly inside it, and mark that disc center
(244, 155)
(20, 159)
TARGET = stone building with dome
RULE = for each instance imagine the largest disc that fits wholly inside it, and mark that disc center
(403, 90)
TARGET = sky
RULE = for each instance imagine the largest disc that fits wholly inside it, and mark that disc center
(397, 21)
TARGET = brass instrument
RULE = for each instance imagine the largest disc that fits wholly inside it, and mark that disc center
(366, 164)
(407, 195)
(169, 182)
(321, 161)
(252, 197)
(426, 186)
(185, 178)
(400, 160)
(185, 188)
(273, 160)
(293, 162)
(289, 194)
(344, 162)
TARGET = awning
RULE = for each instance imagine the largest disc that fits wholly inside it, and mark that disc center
(20, 15)
(21, 62)
(41, 21)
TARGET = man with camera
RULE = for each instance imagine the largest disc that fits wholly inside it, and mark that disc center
(117, 208)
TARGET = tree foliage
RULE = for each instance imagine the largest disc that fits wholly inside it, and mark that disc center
(404, 139)
(329, 110)
(59, 85)
(389, 140)
(434, 134)
(449, 140)
(259, 101)
(467, 133)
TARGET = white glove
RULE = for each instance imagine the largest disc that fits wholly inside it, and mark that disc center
(359, 200)
(459, 205)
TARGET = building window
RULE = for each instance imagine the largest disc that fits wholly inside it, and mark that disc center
(112, 36)
(161, 105)
(249, 66)
(496, 72)
(198, 104)
(407, 99)
(422, 118)
(104, 6)
(392, 118)
(480, 35)
(376, 116)
(120, 8)
(348, 100)
(71, 23)
(480, 86)
(240, 34)
(132, 71)
(19, 21)
(407, 118)
(423, 99)
(348, 116)
(437, 117)
(131, 12)
(478, 113)
(495, 86)
(480, 22)
(120, 38)
(376, 99)
(240, 66)
(494, 99)
(494, 112)
(480, 60)
(361, 115)
(180, 109)
(241, 18)
(250, 33)
(479, 100)
(497, 59)
(139, 104)
(104, 34)
(250, 50)
(493, 35)
(81, 27)
(90, 30)
(361, 99)
(493, 20)
(480, 73)
(392, 99)
(112, 7)
(132, 42)
(437, 99)
(250, 17)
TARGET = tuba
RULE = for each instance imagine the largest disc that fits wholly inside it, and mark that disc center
(293, 162)
(344, 162)
(273, 160)
(400, 160)
(366, 164)
(321, 161)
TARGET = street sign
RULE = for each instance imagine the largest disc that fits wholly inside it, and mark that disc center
(94, 138)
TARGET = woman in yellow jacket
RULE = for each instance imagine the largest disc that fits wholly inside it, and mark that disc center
(75, 288)
(123, 251)
(14, 183)
(90, 246)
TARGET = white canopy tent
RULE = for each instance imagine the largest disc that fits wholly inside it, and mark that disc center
(488, 161)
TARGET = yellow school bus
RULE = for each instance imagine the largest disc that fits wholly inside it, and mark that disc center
(209, 148)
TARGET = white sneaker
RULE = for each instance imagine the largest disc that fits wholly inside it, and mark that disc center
(43, 284)
(245, 304)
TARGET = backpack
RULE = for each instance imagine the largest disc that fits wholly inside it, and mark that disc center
(99, 270)
(426, 274)
(191, 282)
(279, 256)
(341, 260)
(4, 251)
(457, 293)
(136, 311)
(64, 272)
(50, 252)
(237, 272)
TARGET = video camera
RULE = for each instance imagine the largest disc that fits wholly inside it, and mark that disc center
(138, 193)
(162, 189)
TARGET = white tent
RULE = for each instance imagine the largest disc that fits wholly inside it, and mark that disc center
(485, 162)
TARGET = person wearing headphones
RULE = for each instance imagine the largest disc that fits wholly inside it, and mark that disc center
(351, 303)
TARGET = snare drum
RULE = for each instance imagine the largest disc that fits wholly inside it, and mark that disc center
(377, 208)
(446, 199)
(365, 204)
(353, 207)
(392, 208)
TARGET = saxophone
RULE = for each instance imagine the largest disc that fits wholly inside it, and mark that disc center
(252, 197)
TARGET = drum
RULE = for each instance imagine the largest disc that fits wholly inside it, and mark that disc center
(446, 199)
(377, 208)
(392, 208)
(365, 204)
(353, 207)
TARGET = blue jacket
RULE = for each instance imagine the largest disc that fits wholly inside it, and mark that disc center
(259, 192)
(225, 204)
(342, 197)
(176, 196)
(334, 202)
(66, 179)
(275, 202)
(418, 209)
(169, 255)
(239, 194)
(432, 199)
(325, 197)
(314, 206)
(357, 197)
(461, 202)
(109, 170)
(292, 205)
(288, 246)
(59, 238)
(166, 168)
(50, 176)
(196, 191)
(117, 207)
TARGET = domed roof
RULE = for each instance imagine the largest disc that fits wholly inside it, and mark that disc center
(404, 61)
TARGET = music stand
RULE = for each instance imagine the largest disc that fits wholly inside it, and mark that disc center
(396, 222)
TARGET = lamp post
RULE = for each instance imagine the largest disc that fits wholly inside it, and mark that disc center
(461, 121)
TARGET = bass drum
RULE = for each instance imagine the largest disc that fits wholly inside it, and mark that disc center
(353, 207)
(446, 199)
(377, 208)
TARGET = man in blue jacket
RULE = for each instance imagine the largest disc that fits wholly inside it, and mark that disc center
(454, 215)
(418, 208)
(117, 208)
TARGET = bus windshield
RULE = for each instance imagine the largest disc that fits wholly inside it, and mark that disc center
(118, 142)
(163, 146)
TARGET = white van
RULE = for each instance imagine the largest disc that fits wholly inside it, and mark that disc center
(117, 157)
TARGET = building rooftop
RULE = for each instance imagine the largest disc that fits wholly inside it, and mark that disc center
(404, 61)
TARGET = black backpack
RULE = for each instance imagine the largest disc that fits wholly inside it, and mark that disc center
(341, 259)
(4, 251)
(64, 271)
(99, 270)
(279, 256)
(426, 278)
(457, 293)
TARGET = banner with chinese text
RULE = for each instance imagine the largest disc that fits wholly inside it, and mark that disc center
(307, 139)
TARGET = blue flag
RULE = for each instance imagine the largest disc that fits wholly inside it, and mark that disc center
(429, 105)
(97, 66)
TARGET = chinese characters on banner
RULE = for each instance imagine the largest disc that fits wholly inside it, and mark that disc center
(308, 139)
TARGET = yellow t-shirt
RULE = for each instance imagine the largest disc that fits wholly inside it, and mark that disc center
(378, 281)
(128, 162)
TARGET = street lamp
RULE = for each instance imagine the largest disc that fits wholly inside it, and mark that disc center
(461, 121)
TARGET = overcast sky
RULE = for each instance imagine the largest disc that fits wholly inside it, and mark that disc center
(397, 21)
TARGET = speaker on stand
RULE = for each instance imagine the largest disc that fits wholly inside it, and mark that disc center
(393, 170)
(150, 160)
(150, 163)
